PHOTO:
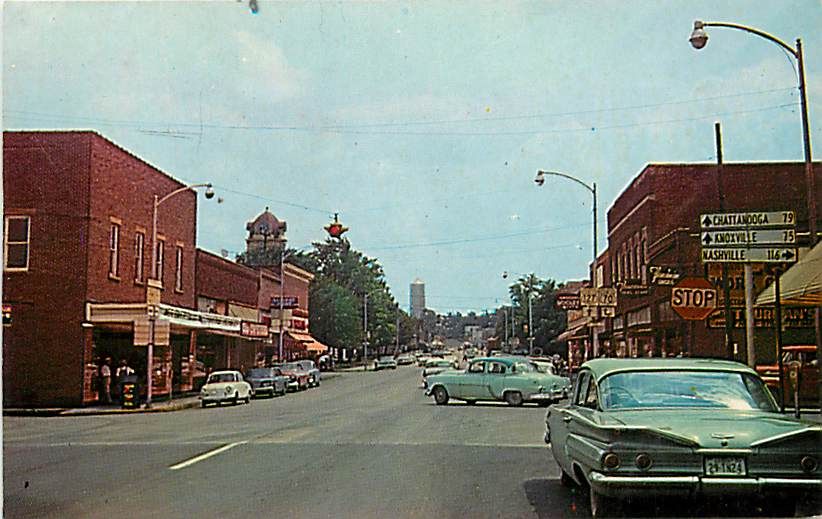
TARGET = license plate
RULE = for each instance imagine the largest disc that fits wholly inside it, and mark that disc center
(725, 466)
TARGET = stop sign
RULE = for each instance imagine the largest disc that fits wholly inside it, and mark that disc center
(693, 299)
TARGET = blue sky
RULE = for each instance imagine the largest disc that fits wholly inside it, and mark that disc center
(421, 123)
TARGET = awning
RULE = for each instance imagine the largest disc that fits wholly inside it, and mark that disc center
(300, 337)
(317, 347)
(574, 334)
(308, 342)
(800, 285)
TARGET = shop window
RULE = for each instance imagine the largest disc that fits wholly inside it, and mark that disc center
(16, 246)
(178, 270)
(114, 251)
(139, 247)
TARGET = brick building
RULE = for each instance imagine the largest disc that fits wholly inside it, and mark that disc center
(653, 240)
(78, 213)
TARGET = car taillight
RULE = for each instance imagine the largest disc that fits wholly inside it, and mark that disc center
(643, 461)
(809, 464)
(610, 461)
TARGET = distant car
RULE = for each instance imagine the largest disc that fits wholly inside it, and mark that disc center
(808, 369)
(313, 372)
(694, 428)
(266, 381)
(423, 359)
(385, 362)
(298, 378)
(514, 381)
(405, 359)
(225, 386)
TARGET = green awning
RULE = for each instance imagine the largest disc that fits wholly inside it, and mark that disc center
(800, 285)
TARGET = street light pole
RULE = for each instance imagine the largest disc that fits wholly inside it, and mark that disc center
(530, 324)
(282, 304)
(154, 273)
(365, 331)
(540, 180)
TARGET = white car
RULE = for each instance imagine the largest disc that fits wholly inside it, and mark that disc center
(225, 386)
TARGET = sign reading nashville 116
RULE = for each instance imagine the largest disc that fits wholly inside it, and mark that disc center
(756, 237)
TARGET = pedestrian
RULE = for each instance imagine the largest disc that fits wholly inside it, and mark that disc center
(123, 371)
(105, 380)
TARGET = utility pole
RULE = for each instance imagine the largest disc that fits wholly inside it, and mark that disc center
(365, 331)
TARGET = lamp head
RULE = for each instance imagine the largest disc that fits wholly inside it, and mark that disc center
(505, 274)
(699, 38)
(540, 178)
(209, 193)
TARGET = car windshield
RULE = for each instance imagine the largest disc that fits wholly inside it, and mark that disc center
(258, 373)
(292, 366)
(642, 389)
(216, 378)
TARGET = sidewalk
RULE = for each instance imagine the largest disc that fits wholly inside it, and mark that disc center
(158, 406)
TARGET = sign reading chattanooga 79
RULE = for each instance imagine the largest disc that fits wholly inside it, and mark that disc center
(754, 220)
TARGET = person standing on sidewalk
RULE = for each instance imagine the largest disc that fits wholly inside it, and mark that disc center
(105, 381)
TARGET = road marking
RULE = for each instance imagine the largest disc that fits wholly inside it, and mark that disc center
(204, 456)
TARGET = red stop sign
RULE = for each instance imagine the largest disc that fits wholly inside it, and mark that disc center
(693, 299)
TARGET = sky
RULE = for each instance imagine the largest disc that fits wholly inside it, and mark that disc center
(422, 124)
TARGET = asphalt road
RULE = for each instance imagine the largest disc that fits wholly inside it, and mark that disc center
(362, 445)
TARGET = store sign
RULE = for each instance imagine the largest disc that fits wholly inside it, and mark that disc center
(792, 317)
(287, 302)
(634, 290)
(252, 329)
(568, 301)
(299, 324)
(663, 275)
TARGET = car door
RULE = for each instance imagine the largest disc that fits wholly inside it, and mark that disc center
(561, 417)
(496, 379)
(472, 381)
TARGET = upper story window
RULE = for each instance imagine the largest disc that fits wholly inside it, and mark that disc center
(160, 259)
(114, 250)
(139, 248)
(178, 270)
(16, 246)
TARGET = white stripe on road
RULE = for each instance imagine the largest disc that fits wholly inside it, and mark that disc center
(205, 456)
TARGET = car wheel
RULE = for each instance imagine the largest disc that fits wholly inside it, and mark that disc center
(203, 403)
(513, 398)
(603, 506)
(440, 395)
(566, 480)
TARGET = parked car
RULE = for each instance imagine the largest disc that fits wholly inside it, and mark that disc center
(268, 381)
(405, 359)
(385, 362)
(808, 369)
(514, 381)
(422, 359)
(298, 378)
(313, 372)
(225, 386)
(643, 428)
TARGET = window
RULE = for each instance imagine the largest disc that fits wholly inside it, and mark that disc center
(476, 367)
(17, 243)
(582, 387)
(139, 244)
(496, 367)
(114, 251)
(178, 270)
(591, 396)
(160, 259)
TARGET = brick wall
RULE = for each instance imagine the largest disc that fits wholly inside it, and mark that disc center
(224, 280)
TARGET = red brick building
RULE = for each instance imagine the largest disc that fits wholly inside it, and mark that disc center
(78, 213)
(653, 239)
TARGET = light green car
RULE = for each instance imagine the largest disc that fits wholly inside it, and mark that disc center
(511, 380)
(641, 429)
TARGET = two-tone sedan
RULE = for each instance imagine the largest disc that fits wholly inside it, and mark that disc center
(313, 372)
(694, 428)
(225, 386)
(512, 380)
(298, 377)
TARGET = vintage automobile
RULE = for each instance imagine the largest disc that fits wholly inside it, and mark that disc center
(385, 362)
(695, 428)
(405, 359)
(801, 360)
(225, 386)
(434, 366)
(499, 378)
(298, 378)
(313, 372)
(266, 381)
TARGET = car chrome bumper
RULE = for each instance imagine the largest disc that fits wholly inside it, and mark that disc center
(554, 395)
(685, 485)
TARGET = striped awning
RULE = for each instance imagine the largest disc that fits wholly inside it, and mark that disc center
(800, 285)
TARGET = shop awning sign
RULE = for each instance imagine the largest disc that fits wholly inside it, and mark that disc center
(568, 301)
(252, 329)
(287, 302)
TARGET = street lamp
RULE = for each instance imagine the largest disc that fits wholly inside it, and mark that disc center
(530, 316)
(699, 38)
(209, 193)
(282, 303)
(540, 180)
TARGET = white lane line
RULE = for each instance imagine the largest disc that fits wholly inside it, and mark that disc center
(204, 456)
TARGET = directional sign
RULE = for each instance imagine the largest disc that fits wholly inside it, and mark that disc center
(603, 296)
(693, 299)
(748, 238)
(736, 255)
(756, 220)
